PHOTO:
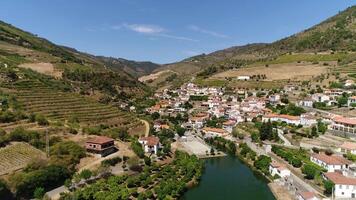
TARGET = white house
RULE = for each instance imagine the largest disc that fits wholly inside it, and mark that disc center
(307, 196)
(343, 124)
(318, 97)
(281, 118)
(276, 168)
(345, 187)
(351, 101)
(348, 147)
(213, 132)
(150, 144)
(306, 103)
(330, 163)
(243, 78)
(198, 120)
(349, 83)
(229, 125)
(274, 99)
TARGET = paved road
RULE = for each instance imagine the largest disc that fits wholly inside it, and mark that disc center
(254, 147)
(298, 183)
(285, 140)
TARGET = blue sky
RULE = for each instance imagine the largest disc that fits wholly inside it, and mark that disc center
(165, 30)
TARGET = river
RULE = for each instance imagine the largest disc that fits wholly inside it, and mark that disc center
(228, 178)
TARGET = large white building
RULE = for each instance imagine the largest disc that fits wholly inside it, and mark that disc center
(281, 118)
(330, 163)
(343, 124)
(345, 187)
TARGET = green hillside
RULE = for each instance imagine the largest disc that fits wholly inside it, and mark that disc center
(134, 68)
(83, 70)
(336, 34)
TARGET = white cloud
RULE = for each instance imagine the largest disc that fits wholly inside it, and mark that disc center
(208, 32)
(178, 37)
(153, 30)
(144, 28)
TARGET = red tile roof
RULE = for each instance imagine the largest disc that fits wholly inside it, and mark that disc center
(150, 140)
(344, 120)
(215, 130)
(340, 179)
(332, 160)
(290, 117)
(100, 140)
(278, 165)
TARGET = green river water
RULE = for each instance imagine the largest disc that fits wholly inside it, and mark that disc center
(228, 178)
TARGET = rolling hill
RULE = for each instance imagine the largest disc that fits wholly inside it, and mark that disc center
(23, 49)
(134, 68)
(336, 34)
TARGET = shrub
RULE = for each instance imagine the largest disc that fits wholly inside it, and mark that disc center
(111, 161)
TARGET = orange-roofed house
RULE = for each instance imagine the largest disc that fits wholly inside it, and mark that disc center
(343, 124)
(348, 147)
(276, 168)
(345, 187)
(213, 132)
(289, 119)
(100, 145)
(151, 144)
(330, 162)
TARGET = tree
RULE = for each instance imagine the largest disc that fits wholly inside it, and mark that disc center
(85, 174)
(180, 130)
(329, 186)
(262, 163)
(41, 120)
(341, 101)
(314, 132)
(155, 115)
(123, 135)
(137, 148)
(310, 171)
(39, 193)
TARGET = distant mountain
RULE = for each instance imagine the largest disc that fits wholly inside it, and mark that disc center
(134, 68)
(337, 33)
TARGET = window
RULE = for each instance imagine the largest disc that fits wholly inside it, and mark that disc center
(340, 186)
(347, 187)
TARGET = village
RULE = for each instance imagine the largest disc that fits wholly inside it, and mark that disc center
(326, 138)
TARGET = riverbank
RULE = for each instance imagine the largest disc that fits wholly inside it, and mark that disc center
(229, 178)
(279, 191)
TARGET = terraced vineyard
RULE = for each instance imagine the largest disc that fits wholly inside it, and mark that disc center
(16, 156)
(58, 105)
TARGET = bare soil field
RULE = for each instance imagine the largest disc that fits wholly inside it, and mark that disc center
(154, 76)
(294, 71)
(44, 68)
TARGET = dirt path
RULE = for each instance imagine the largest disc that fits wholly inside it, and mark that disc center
(147, 127)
